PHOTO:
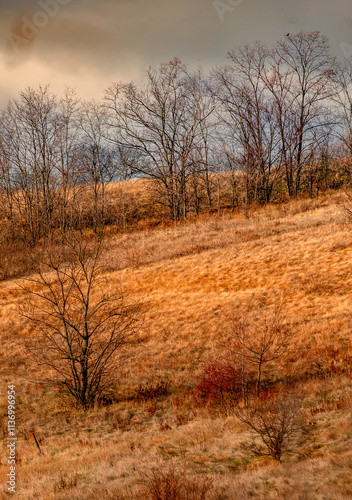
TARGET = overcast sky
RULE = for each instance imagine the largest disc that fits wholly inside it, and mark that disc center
(89, 44)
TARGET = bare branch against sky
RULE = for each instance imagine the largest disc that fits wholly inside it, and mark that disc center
(88, 44)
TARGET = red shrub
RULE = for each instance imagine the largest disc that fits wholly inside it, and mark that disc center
(220, 380)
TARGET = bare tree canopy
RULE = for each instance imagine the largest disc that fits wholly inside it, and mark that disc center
(82, 331)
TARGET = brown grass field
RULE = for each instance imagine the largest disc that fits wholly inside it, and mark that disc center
(188, 279)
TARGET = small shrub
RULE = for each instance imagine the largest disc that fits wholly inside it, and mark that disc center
(66, 483)
(279, 424)
(219, 381)
(152, 390)
(172, 484)
(134, 257)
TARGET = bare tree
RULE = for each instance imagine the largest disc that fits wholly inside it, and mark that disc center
(342, 100)
(303, 73)
(247, 112)
(82, 331)
(7, 185)
(275, 104)
(68, 153)
(261, 341)
(280, 424)
(160, 124)
(39, 139)
(29, 139)
(96, 160)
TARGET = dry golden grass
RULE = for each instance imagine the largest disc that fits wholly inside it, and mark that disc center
(188, 278)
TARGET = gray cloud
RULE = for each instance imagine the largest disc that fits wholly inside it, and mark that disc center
(88, 44)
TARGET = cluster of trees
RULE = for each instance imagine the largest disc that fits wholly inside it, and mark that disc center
(51, 151)
(271, 121)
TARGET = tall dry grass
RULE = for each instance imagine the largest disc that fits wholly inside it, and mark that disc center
(189, 277)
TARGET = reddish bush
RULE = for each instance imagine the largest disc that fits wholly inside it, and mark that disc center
(220, 380)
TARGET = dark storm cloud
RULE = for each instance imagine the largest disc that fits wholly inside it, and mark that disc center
(88, 43)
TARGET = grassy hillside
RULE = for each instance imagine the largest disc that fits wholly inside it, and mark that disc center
(190, 280)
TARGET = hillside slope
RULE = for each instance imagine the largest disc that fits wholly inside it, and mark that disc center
(189, 279)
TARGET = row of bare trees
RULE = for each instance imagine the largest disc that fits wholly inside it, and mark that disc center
(278, 109)
(271, 121)
(52, 157)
